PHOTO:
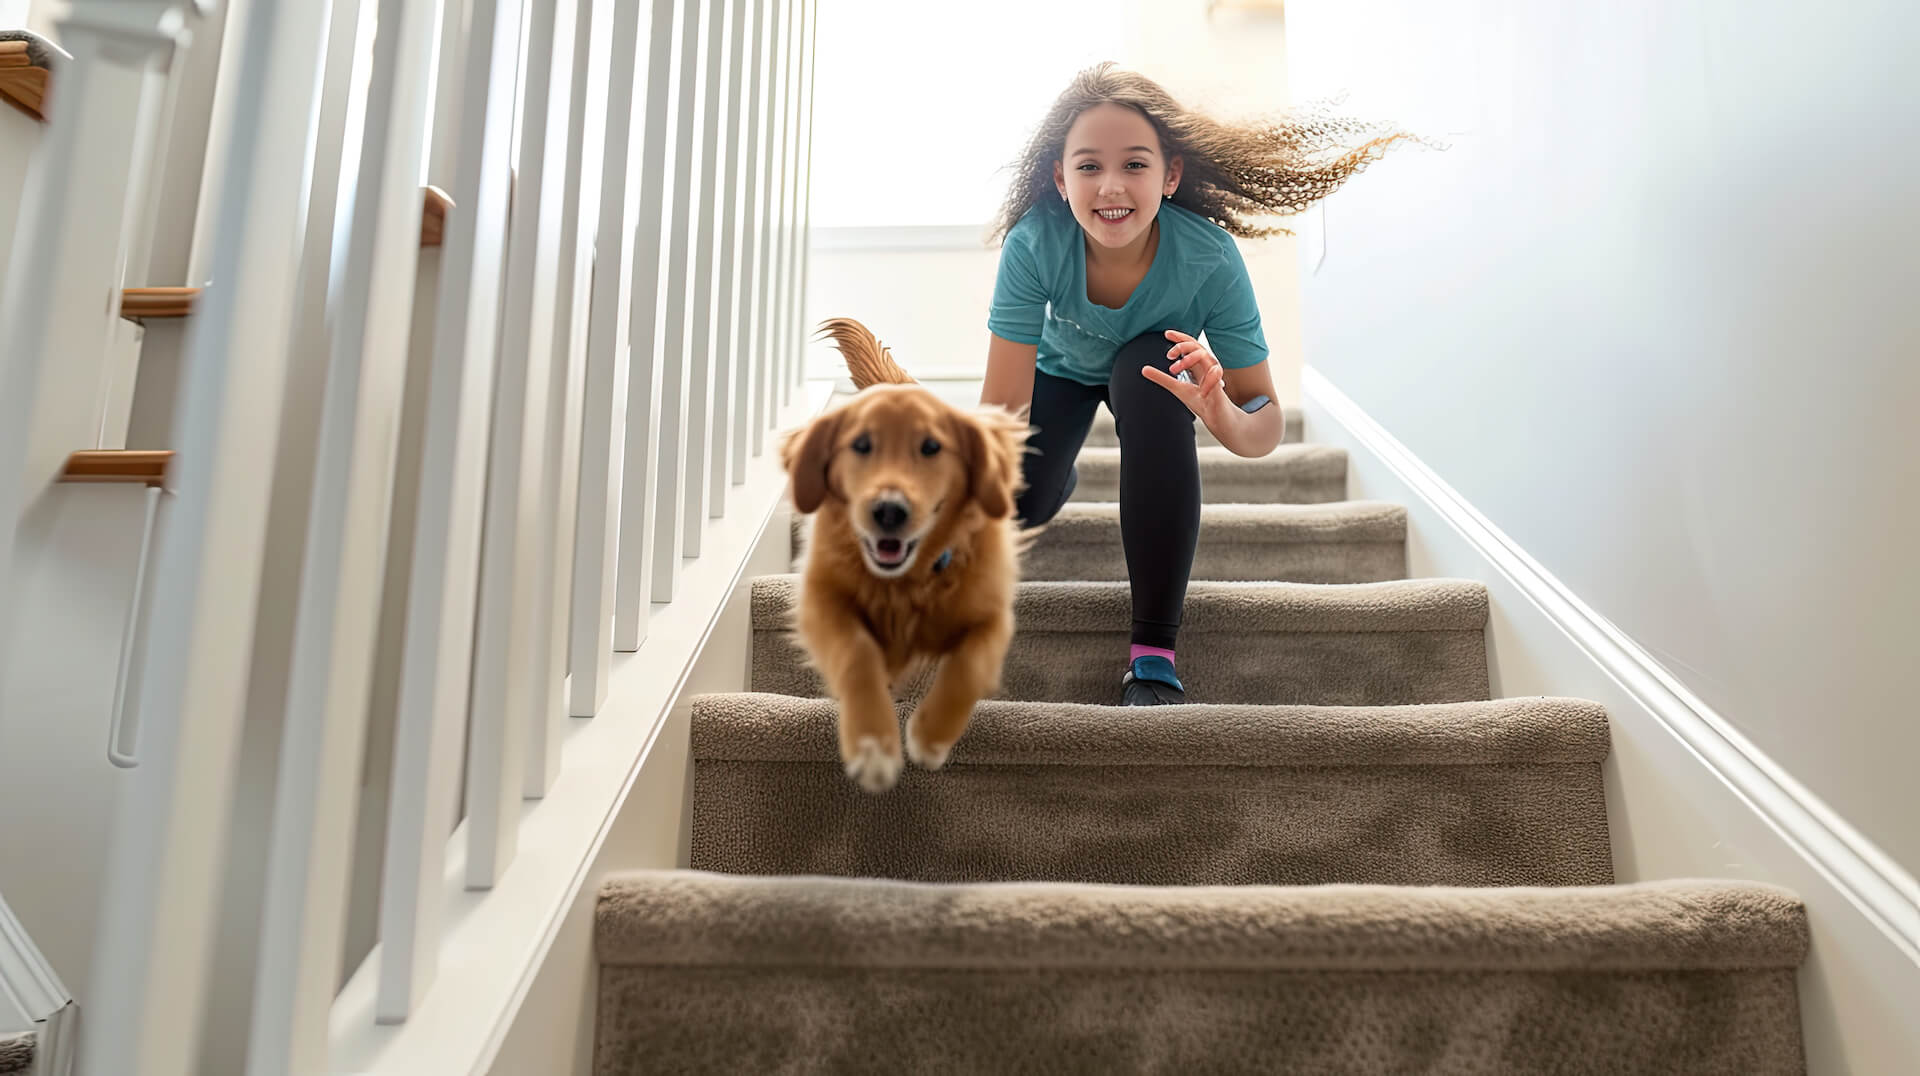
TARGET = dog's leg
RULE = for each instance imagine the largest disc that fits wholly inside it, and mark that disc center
(855, 671)
(970, 672)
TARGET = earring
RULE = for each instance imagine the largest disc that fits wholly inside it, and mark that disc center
(1063, 196)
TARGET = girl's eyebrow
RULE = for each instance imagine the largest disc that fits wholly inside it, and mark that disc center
(1129, 149)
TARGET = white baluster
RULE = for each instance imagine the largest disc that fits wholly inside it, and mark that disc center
(702, 352)
(796, 249)
(764, 391)
(578, 179)
(229, 1009)
(149, 982)
(747, 304)
(787, 346)
(465, 340)
(322, 748)
(505, 669)
(646, 302)
(604, 417)
(727, 395)
(429, 752)
(806, 189)
(676, 363)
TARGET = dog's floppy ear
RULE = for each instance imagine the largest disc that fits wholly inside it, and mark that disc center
(994, 441)
(806, 453)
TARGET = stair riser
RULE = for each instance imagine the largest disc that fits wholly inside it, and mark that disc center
(1101, 434)
(1288, 485)
(1160, 825)
(1303, 562)
(889, 1020)
(1359, 668)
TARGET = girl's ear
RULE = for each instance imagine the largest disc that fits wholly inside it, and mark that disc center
(1174, 168)
(1059, 180)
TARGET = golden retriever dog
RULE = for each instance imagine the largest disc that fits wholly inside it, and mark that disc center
(913, 556)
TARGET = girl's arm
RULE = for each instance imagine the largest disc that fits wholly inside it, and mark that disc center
(1009, 380)
(1246, 434)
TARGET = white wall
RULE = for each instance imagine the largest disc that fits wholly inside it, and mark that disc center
(923, 158)
(1651, 315)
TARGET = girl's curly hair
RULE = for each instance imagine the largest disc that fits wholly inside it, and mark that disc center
(1233, 172)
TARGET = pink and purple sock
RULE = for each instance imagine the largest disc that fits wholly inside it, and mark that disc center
(1142, 651)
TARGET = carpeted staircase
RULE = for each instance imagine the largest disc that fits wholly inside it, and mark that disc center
(1348, 858)
(16, 1054)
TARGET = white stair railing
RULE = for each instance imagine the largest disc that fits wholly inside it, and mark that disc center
(161, 891)
(476, 468)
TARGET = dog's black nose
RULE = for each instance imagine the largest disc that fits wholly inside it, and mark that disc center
(889, 515)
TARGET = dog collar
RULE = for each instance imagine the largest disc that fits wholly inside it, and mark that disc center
(940, 565)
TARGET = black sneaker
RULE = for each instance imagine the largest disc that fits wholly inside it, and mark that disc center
(1150, 682)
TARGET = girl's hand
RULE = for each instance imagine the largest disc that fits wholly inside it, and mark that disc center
(1207, 396)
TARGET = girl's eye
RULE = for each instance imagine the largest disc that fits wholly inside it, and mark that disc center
(1088, 166)
(929, 447)
(863, 444)
(1136, 164)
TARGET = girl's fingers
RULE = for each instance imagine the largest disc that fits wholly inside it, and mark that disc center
(1176, 334)
(1179, 388)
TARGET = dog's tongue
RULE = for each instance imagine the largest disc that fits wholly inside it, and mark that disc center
(890, 549)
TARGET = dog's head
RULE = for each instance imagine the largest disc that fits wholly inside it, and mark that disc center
(900, 459)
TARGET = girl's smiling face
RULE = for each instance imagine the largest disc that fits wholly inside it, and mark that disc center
(1113, 175)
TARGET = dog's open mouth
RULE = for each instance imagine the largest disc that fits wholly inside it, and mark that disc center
(888, 555)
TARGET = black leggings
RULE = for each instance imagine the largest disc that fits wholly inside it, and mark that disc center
(1159, 476)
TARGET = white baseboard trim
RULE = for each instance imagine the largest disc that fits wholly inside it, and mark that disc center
(33, 997)
(1697, 798)
(495, 942)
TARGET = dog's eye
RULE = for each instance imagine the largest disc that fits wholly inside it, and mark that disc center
(863, 444)
(929, 447)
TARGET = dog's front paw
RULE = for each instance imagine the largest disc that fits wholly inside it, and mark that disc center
(925, 752)
(872, 766)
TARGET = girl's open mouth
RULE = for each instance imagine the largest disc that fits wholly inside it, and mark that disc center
(1111, 215)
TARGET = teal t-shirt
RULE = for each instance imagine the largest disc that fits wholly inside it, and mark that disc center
(1196, 284)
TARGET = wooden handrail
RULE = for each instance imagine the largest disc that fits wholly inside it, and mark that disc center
(433, 216)
(145, 467)
(23, 77)
(138, 304)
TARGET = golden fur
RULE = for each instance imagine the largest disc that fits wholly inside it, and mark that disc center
(863, 630)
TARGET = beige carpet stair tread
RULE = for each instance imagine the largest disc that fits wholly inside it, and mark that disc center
(1337, 542)
(758, 727)
(1101, 433)
(704, 972)
(1359, 644)
(692, 918)
(16, 1054)
(1508, 792)
(1293, 474)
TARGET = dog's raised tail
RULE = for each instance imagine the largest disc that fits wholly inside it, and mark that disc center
(868, 361)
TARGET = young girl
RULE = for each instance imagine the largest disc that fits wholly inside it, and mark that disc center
(1118, 253)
